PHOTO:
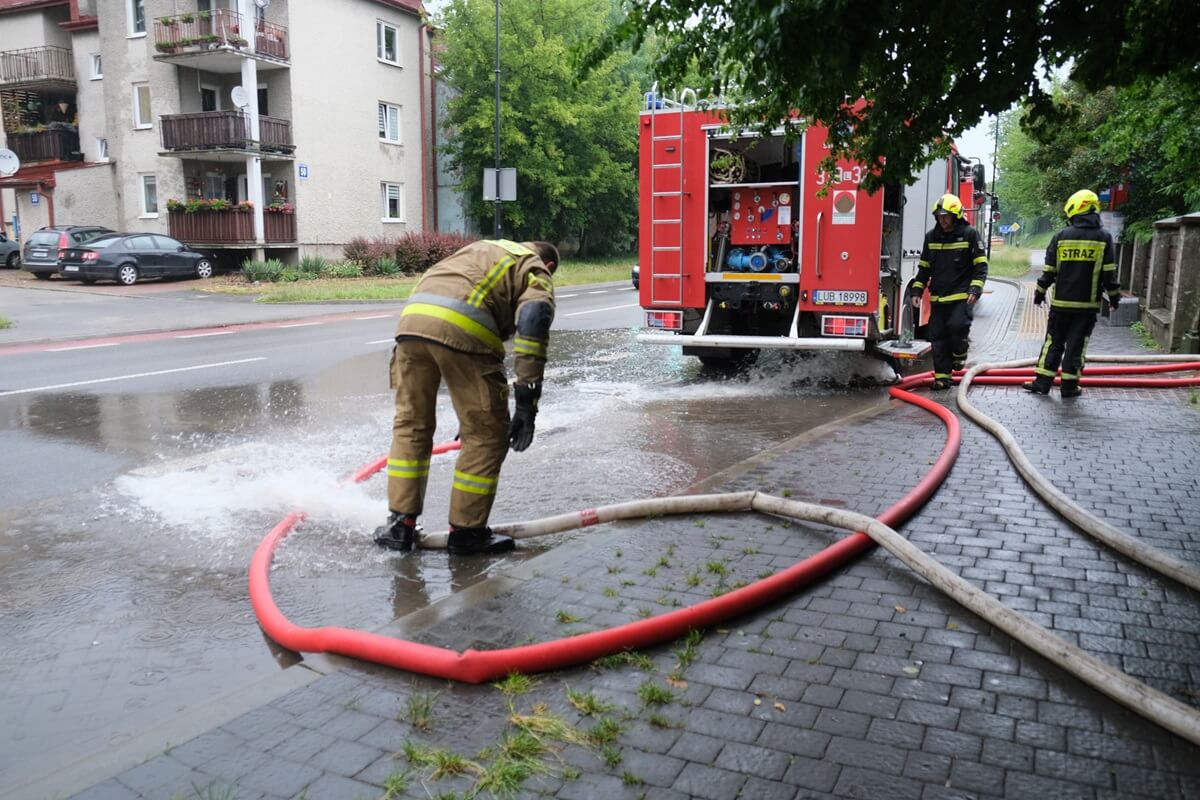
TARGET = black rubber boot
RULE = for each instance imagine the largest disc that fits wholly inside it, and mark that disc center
(1070, 389)
(1037, 387)
(400, 532)
(473, 541)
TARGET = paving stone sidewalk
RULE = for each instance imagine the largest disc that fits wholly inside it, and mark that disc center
(868, 684)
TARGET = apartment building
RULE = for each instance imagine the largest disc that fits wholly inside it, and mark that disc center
(276, 128)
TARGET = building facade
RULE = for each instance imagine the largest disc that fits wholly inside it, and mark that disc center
(276, 128)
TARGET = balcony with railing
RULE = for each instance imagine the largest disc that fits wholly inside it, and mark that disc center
(231, 226)
(208, 131)
(55, 144)
(217, 40)
(34, 68)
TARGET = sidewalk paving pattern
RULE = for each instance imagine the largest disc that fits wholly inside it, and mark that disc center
(868, 684)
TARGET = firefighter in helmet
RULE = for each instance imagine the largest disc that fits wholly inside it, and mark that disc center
(453, 327)
(1080, 265)
(954, 267)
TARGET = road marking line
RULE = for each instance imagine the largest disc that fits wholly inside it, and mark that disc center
(298, 325)
(201, 335)
(599, 291)
(383, 341)
(81, 347)
(376, 316)
(564, 296)
(134, 375)
(597, 310)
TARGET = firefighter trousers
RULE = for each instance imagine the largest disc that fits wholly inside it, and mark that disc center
(1067, 334)
(479, 391)
(949, 333)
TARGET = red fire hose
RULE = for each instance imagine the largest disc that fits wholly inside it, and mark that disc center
(472, 666)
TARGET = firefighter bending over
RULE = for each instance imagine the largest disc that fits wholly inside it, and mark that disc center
(954, 266)
(1080, 265)
(454, 327)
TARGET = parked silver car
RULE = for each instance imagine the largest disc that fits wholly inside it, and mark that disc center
(44, 246)
(10, 252)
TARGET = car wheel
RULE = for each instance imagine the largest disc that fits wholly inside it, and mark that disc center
(204, 268)
(13, 260)
(127, 274)
(42, 276)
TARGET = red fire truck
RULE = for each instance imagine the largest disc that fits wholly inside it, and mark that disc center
(745, 243)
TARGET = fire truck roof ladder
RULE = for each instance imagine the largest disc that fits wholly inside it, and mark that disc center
(675, 107)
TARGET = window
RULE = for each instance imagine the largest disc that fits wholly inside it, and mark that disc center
(264, 108)
(214, 186)
(393, 202)
(137, 17)
(389, 123)
(210, 98)
(102, 149)
(149, 196)
(385, 43)
(141, 106)
(97, 67)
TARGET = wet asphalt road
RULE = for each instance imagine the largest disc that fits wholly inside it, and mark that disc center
(130, 506)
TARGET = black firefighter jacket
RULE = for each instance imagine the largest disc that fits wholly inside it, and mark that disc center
(1079, 263)
(952, 264)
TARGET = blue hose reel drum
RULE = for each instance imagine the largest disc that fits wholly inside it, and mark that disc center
(769, 259)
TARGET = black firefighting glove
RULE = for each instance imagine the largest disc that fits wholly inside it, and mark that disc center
(1114, 302)
(1039, 297)
(520, 430)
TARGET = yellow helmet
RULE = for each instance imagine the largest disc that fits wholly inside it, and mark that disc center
(948, 204)
(1081, 202)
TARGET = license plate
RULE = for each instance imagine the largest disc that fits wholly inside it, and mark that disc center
(39, 253)
(838, 297)
(70, 269)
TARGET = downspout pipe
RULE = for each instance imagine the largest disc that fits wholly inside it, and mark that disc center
(428, 123)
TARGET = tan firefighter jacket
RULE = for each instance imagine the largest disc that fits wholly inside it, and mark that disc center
(470, 301)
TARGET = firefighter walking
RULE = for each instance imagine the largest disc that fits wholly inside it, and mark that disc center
(953, 266)
(1081, 266)
(453, 328)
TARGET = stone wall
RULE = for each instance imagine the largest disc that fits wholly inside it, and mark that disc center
(1165, 275)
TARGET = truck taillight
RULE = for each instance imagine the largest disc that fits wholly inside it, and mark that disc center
(665, 320)
(837, 325)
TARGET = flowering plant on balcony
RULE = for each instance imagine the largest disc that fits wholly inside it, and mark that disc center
(192, 205)
(281, 208)
(237, 41)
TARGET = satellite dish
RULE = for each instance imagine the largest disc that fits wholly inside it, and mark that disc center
(9, 162)
(240, 99)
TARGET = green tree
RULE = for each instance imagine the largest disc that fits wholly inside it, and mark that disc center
(1142, 134)
(1018, 183)
(573, 143)
(926, 70)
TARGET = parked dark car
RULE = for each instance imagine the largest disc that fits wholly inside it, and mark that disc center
(43, 247)
(10, 251)
(635, 275)
(126, 257)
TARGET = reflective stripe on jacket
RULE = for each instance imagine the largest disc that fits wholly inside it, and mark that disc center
(952, 264)
(1080, 262)
(470, 301)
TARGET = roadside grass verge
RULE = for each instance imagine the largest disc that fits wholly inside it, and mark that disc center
(572, 273)
(5, 323)
(1009, 262)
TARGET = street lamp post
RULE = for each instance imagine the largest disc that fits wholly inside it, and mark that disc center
(496, 202)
